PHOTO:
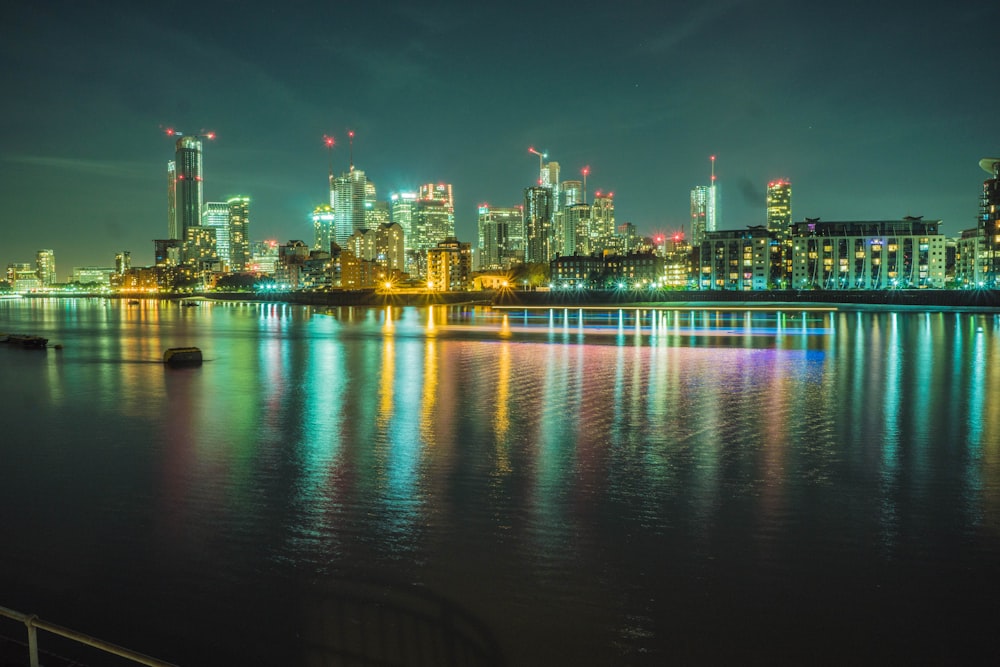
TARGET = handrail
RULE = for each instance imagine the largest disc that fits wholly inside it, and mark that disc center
(33, 622)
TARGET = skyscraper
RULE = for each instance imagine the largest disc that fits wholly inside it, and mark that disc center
(602, 220)
(779, 207)
(348, 201)
(172, 231)
(433, 216)
(323, 225)
(699, 214)
(779, 226)
(239, 233)
(495, 227)
(45, 267)
(537, 216)
(188, 185)
(215, 215)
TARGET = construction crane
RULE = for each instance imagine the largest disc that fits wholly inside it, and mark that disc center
(541, 161)
(203, 134)
(585, 171)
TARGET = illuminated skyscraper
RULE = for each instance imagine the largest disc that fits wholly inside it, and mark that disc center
(434, 216)
(537, 216)
(570, 192)
(779, 208)
(495, 227)
(45, 267)
(401, 205)
(215, 215)
(602, 221)
(779, 226)
(188, 195)
(704, 209)
(172, 231)
(699, 214)
(239, 233)
(348, 201)
(323, 225)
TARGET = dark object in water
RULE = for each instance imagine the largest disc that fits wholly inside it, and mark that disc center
(29, 342)
(182, 356)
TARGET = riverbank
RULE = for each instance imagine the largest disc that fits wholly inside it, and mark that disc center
(970, 300)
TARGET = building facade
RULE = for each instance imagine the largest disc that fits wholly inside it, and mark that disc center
(881, 254)
(45, 267)
(449, 266)
(537, 217)
(738, 259)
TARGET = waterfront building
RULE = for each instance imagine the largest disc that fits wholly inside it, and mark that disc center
(292, 257)
(215, 216)
(738, 259)
(123, 262)
(881, 254)
(537, 216)
(239, 233)
(970, 251)
(449, 266)
(634, 269)
(348, 202)
(23, 277)
(779, 224)
(264, 256)
(199, 249)
(577, 271)
(989, 223)
(92, 275)
(188, 185)
(495, 244)
(45, 267)
(323, 225)
(357, 273)
(390, 247)
(676, 252)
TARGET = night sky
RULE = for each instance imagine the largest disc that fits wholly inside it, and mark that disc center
(873, 110)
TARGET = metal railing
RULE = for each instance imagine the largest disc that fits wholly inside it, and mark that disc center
(34, 624)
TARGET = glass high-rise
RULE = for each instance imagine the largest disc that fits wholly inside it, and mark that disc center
(45, 267)
(239, 233)
(188, 185)
(348, 201)
(215, 215)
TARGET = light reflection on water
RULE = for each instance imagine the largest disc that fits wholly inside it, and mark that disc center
(597, 486)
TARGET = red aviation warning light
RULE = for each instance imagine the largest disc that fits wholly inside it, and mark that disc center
(328, 141)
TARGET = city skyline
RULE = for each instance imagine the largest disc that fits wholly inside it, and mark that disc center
(866, 119)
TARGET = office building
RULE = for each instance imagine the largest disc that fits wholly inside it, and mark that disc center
(45, 267)
(348, 202)
(215, 216)
(323, 223)
(239, 233)
(538, 219)
(495, 247)
(779, 224)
